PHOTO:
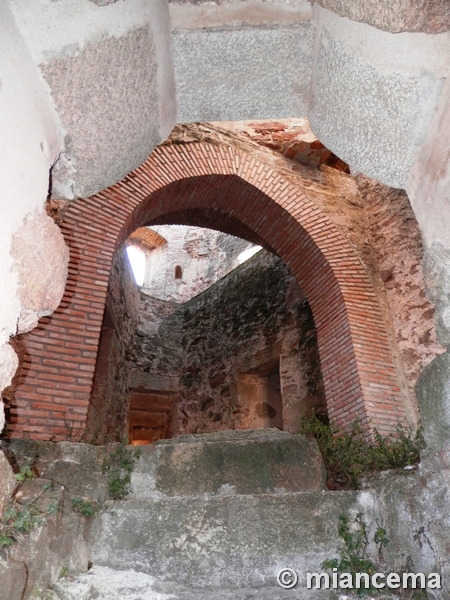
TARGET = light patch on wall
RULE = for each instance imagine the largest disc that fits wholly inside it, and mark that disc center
(137, 262)
(248, 253)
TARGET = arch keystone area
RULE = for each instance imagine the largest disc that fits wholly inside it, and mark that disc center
(226, 188)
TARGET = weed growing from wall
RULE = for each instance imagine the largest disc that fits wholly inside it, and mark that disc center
(119, 466)
(348, 455)
(355, 558)
(86, 508)
(21, 519)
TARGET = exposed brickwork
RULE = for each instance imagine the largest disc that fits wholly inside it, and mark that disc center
(230, 185)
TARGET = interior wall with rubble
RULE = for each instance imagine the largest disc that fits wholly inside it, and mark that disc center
(242, 354)
(108, 410)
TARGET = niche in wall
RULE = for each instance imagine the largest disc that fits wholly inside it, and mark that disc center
(150, 416)
(259, 394)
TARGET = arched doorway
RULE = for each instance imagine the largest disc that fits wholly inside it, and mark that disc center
(228, 189)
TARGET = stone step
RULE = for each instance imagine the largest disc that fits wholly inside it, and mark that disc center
(234, 541)
(223, 510)
(104, 583)
(229, 462)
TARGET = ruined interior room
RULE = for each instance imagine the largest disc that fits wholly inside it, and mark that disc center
(219, 218)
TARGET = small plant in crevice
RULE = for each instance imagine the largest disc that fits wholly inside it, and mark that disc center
(64, 572)
(355, 559)
(21, 518)
(74, 431)
(86, 508)
(25, 471)
(348, 455)
(119, 466)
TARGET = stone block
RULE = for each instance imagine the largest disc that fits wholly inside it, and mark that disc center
(218, 542)
(436, 267)
(430, 16)
(225, 74)
(13, 577)
(110, 584)
(372, 108)
(7, 482)
(433, 394)
(40, 258)
(229, 462)
(77, 467)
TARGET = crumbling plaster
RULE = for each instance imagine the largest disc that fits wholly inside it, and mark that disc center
(109, 71)
(30, 141)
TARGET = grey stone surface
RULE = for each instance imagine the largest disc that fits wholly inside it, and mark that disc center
(243, 73)
(75, 466)
(433, 394)
(7, 482)
(232, 462)
(115, 98)
(13, 578)
(36, 560)
(431, 16)
(436, 267)
(220, 542)
(104, 583)
(373, 118)
(413, 507)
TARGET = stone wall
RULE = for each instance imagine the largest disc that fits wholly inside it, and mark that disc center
(108, 411)
(203, 256)
(243, 354)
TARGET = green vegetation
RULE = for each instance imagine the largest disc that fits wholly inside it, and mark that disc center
(348, 454)
(64, 572)
(25, 471)
(119, 466)
(354, 556)
(20, 519)
(86, 508)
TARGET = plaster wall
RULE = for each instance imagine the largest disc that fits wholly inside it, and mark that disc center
(30, 141)
(197, 14)
(108, 67)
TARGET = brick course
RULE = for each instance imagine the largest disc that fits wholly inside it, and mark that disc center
(220, 185)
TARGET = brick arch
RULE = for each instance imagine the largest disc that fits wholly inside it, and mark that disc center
(228, 186)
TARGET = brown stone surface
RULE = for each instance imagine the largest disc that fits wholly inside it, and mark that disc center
(40, 258)
(395, 238)
(428, 16)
